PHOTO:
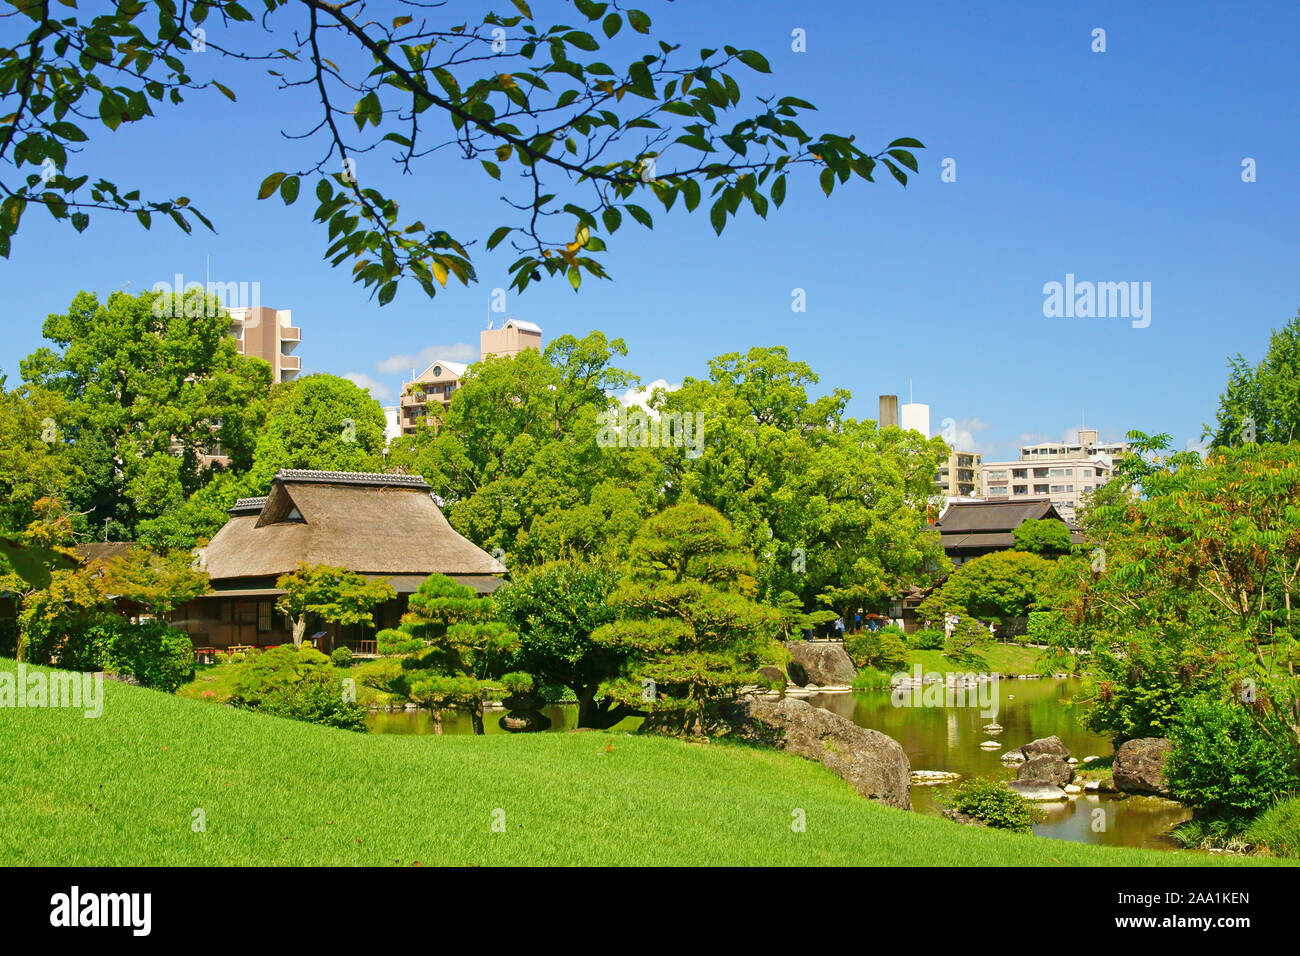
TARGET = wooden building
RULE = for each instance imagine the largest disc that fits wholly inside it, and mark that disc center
(383, 526)
(969, 529)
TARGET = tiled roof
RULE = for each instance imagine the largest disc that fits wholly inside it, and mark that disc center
(245, 505)
(351, 478)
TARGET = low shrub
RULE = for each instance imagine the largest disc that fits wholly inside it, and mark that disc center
(1277, 829)
(155, 654)
(314, 703)
(884, 649)
(1224, 763)
(994, 804)
(341, 657)
(926, 639)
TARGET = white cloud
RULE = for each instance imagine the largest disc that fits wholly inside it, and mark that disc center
(377, 389)
(961, 435)
(641, 396)
(459, 352)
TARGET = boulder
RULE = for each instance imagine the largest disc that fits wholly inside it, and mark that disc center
(1140, 766)
(873, 764)
(1038, 792)
(772, 673)
(823, 664)
(1045, 745)
(1046, 768)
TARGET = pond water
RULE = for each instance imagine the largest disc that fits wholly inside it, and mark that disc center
(942, 738)
(949, 738)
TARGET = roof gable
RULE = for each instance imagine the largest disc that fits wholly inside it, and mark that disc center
(995, 516)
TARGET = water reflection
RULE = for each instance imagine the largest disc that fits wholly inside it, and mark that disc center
(949, 738)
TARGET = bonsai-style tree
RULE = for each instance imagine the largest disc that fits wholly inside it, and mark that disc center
(689, 625)
(456, 651)
(334, 595)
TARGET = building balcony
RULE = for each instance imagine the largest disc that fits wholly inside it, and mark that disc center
(290, 363)
(289, 333)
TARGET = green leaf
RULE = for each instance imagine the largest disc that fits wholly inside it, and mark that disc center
(498, 234)
(718, 215)
(754, 60)
(575, 277)
(828, 180)
(691, 194)
(225, 90)
(640, 215)
(778, 191)
(613, 23)
(269, 185)
(289, 189)
(612, 218)
(638, 21)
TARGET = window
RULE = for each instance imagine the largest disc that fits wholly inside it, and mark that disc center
(998, 491)
(998, 475)
(264, 616)
(227, 611)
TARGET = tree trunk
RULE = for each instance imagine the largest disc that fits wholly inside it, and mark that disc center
(436, 712)
(299, 630)
(476, 717)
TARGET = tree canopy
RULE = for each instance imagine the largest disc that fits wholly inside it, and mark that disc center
(581, 145)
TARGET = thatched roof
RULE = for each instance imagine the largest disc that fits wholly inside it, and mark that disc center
(103, 550)
(370, 523)
(988, 525)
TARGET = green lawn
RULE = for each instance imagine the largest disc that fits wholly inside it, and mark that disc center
(122, 790)
(1003, 658)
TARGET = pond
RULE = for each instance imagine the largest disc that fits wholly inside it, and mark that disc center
(942, 738)
(949, 738)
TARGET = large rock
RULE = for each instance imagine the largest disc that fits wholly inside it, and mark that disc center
(871, 762)
(1038, 792)
(822, 664)
(1051, 746)
(1140, 766)
(1046, 768)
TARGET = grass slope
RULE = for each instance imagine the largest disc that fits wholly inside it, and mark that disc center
(1003, 658)
(121, 790)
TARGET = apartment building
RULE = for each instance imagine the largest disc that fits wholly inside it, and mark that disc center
(960, 476)
(432, 389)
(1062, 472)
(512, 338)
(268, 334)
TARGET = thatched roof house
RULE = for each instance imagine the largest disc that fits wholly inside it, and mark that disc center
(382, 526)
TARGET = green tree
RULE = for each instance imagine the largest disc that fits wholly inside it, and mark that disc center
(148, 388)
(555, 609)
(320, 422)
(1047, 537)
(691, 630)
(1262, 402)
(996, 585)
(545, 107)
(334, 595)
(34, 459)
(516, 461)
(831, 509)
(458, 654)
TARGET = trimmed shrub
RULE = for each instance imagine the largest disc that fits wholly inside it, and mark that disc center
(1224, 763)
(926, 639)
(313, 703)
(341, 657)
(884, 649)
(994, 804)
(155, 654)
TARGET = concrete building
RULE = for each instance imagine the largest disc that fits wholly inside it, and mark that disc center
(1062, 472)
(960, 476)
(916, 417)
(436, 383)
(433, 386)
(268, 334)
(511, 339)
(888, 411)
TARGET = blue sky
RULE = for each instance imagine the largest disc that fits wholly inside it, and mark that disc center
(1117, 166)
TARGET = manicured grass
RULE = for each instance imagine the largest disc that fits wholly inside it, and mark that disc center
(1003, 658)
(122, 790)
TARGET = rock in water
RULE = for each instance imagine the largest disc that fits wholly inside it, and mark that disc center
(1038, 792)
(1046, 768)
(826, 665)
(874, 764)
(1045, 745)
(1140, 766)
